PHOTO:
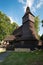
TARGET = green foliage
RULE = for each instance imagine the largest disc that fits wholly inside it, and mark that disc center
(4, 21)
(24, 58)
(41, 38)
(36, 24)
(13, 26)
(42, 23)
(6, 28)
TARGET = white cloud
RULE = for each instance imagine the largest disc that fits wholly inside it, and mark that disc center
(21, 1)
(26, 3)
(30, 3)
(33, 9)
(11, 19)
(37, 6)
(40, 3)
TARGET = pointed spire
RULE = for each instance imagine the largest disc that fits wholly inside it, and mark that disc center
(27, 9)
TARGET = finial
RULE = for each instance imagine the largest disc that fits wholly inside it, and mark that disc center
(27, 9)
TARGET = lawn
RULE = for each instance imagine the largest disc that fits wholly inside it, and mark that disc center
(24, 58)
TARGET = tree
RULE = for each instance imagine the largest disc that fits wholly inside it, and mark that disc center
(42, 23)
(42, 34)
(6, 28)
(4, 22)
(41, 38)
(36, 24)
(12, 27)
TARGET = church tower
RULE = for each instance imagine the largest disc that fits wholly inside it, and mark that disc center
(28, 28)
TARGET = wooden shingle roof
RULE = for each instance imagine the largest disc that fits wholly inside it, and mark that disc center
(10, 38)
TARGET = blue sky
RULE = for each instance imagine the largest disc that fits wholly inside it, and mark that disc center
(15, 9)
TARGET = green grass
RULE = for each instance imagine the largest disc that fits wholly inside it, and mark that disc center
(24, 58)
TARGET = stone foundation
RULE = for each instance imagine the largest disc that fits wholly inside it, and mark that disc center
(22, 50)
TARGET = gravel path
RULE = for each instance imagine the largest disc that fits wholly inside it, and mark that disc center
(3, 56)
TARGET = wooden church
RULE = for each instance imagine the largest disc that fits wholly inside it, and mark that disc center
(24, 36)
